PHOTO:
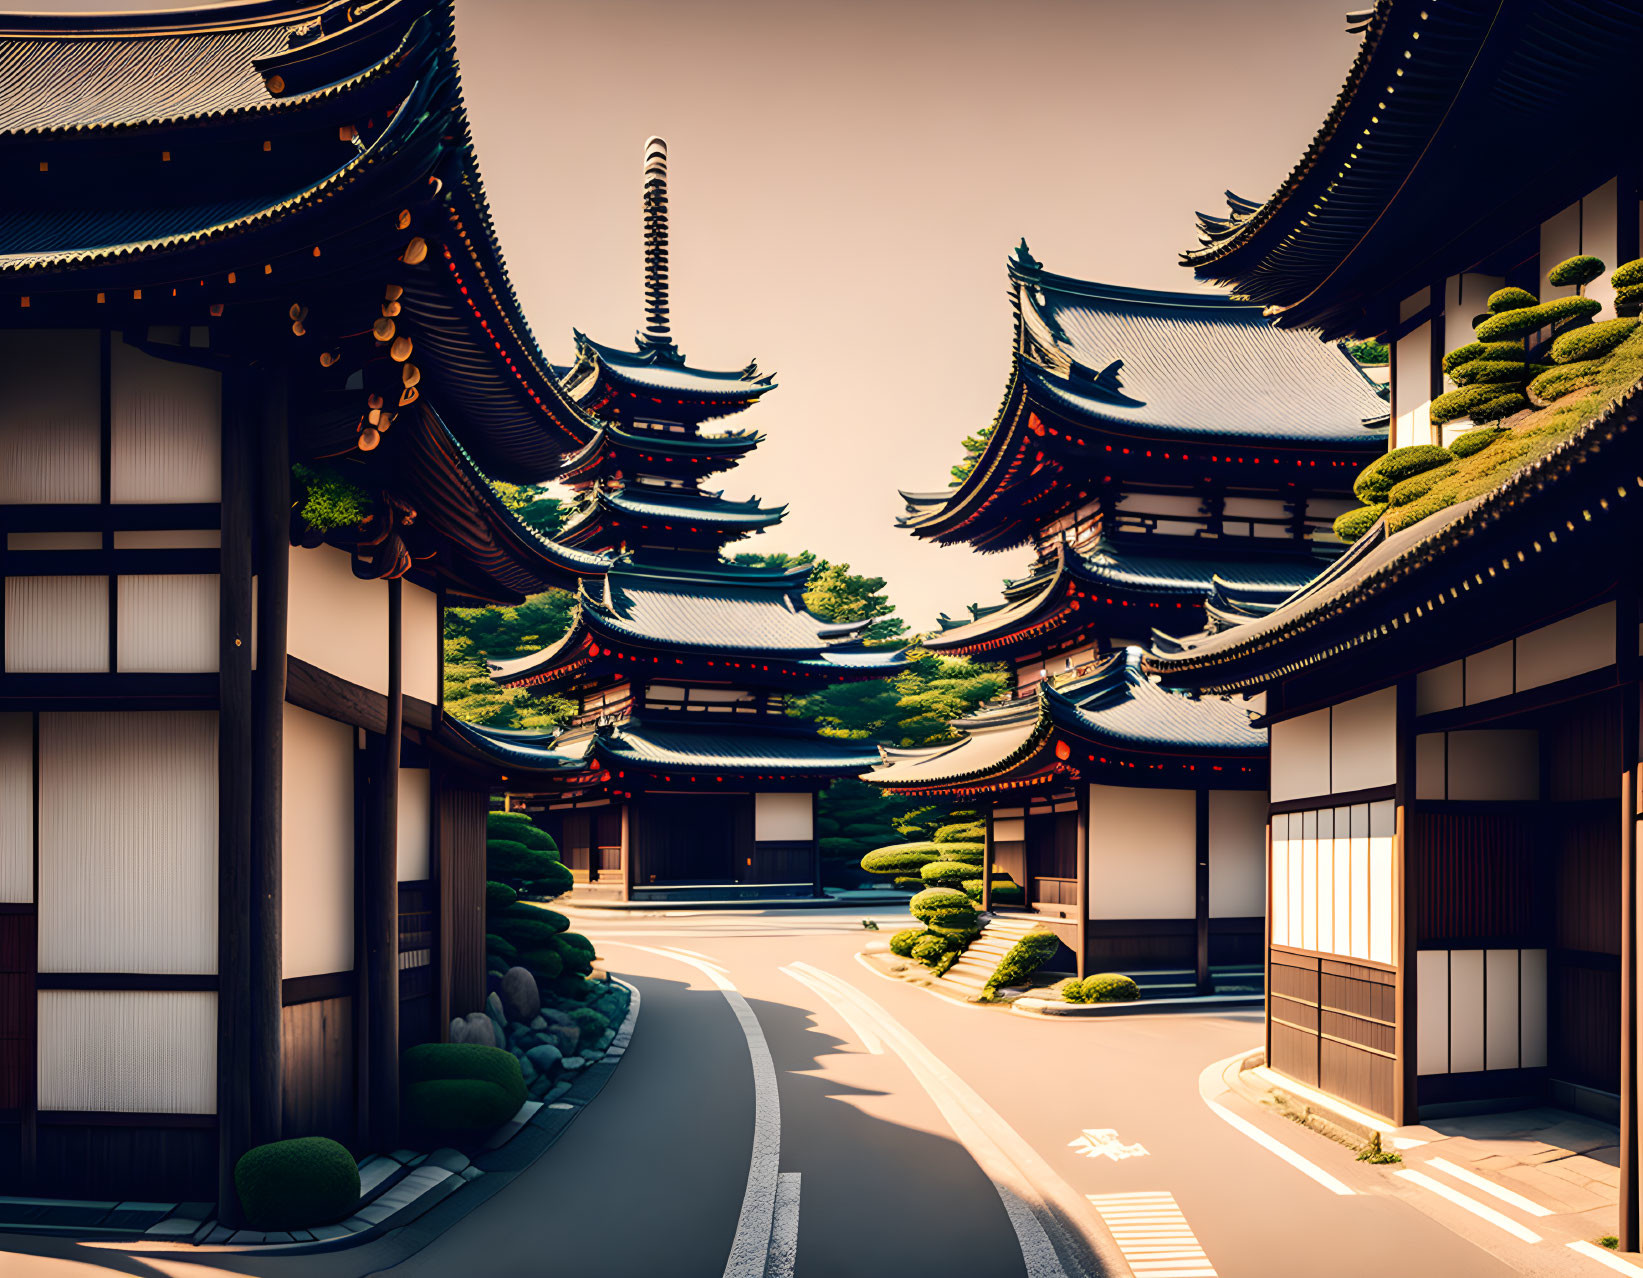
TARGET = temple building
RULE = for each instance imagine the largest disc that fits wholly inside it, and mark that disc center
(1453, 708)
(260, 362)
(1161, 453)
(681, 776)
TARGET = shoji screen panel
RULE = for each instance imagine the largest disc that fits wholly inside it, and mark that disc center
(412, 824)
(167, 624)
(317, 933)
(128, 1051)
(1332, 881)
(165, 430)
(50, 417)
(420, 642)
(783, 818)
(16, 808)
(128, 842)
(56, 625)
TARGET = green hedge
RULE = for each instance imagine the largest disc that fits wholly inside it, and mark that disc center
(459, 1089)
(902, 942)
(1628, 274)
(1481, 350)
(1416, 486)
(900, 858)
(1026, 956)
(1005, 889)
(543, 962)
(1591, 341)
(1628, 301)
(1559, 310)
(970, 854)
(1496, 372)
(1563, 379)
(1573, 272)
(576, 953)
(518, 828)
(529, 871)
(295, 1184)
(947, 873)
(1475, 441)
(499, 945)
(935, 900)
(1510, 299)
(1103, 987)
(1460, 403)
(1501, 407)
(1375, 480)
(962, 832)
(590, 1021)
(499, 896)
(1355, 523)
(928, 948)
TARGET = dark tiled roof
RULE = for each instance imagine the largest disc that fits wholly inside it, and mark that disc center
(663, 369)
(732, 749)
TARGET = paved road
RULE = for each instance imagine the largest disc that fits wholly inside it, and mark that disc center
(925, 1138)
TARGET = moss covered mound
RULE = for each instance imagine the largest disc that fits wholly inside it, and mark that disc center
(1355, 523)
(1103, 987)
(1572, 272)
(1481, 350)
(459, 1090)
(947, 873)
(1510, 299)
(295, 1184)
(903, 941)
(905, 859)
(1375, 481)
(1562, 379)
(1520, 323)
(1592, 341)
(1025, 957)
(1495, 372)
(1475, 441)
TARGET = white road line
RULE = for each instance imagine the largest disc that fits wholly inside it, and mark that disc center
(1489, 1187)
(1210, 1085)
(1025, 1184)
(870, 1041)
(1604, 1256)
(784, 1228)
(750, 1248)
(1153, 1234)
(701, 959)
(696, 954)
(1481, 1210)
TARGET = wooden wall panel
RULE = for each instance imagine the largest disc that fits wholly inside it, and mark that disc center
(17, 1010)
(1359, 1077)
(1587, 879)
(1584, 1034)
(317, 1058)
(1295, 1054)
(462, 876)
(1475, 877)
(172, 1164)
(1580, 750)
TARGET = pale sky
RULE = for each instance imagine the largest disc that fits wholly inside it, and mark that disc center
(846, 180)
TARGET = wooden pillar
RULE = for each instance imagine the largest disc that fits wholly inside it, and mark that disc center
(815, 843)
(1405, 1077)
(629, 869)
(273, 550)
(1266, 929)
(1082, 846)
(1626, 641)
(442, 876)
(235, 956)
(1200, 966)
(382, 906)
(987, 857)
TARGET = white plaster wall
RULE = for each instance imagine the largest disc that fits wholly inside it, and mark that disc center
(1464, 297)
(1493, 764)
(1500, 1009)
(1599, 236)
(128, 1051)
(783, 818)
(16, 808)
(1567, 648)
(1143, 853)
(1440, 688)
(50, 417)
(1279, 877)
(1363, 742)
(411, 825)
(1237, 853)
(1466, 1021)
(1489, 674)
(336, 621)
(317, 860)
(1300, 756)
(420, 642)
(165, 430)
(1559, 241)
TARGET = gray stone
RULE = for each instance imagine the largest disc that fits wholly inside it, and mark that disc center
(574, 1062)
(475, 1027)
(565, 1037)
(521, 1000)
(537, 1023)
(527, 1071)
(544, 1058)
(493, 1009)
(554, 1016)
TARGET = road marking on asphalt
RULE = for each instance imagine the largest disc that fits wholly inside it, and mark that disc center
(870, 1041)
(702, 959)
(784, 1228)
(750, 1248)
(1153, 1234)
(1604, 1256)
(1489, 1187)
(1211, 1085)
(1103, 1142)
(1466, 1203)
(1037, 1201)
(695, 954)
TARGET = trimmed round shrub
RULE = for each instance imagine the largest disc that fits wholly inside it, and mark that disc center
(1460, 403)
(529, 871)
(963, 832)
(499, 896)
(905, 859)
(293, 1184)
(1510, 299)
(1355, 523)
(1005, 888)
(576, 953)
(1416, 486)
(1628, 274)
(460, 1090)
(544, 962)
(902, 942)
(1481, 350)
(928, 948)
(499, 945)
(517, 827)
(1629, 300)
(1026, 956)
(940, 966)
(1573, 272)
(1559, 310)
(1562, 379)
(956, 923)
(1495, 372)
(933, 901)
(1103, 987)
(1591, 341)
(1501, 407)
(591, 1023)
(1375, 480)
(1475, 441)
(970, 854)
(947, 873)
(529, 928)
(911, 884)
(1008, 892)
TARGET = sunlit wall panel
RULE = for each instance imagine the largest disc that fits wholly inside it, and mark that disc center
(336, 621)
(420, 642)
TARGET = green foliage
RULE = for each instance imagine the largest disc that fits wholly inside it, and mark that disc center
(1417, 486)
(970, 854)
(961, 832)
(1611, 1241)
(459, 1090)
(1026, 956)
(1501, 407)
(1591, 341)
(1103, 987)
(1474, 441)
(947, 873)
(840, 596)
(928, 948)
(1574, 272)
(1369, 354)
(293, 1184)
(1006, 891)
(499, 946)
(940, 966)
(1355, 523)
(535, 508)
(590, 1022)
(973, 444)
(1628, 274)
(1510, 299)
(1495, 372)
(902, 942)
(1628, 301)
(576, 953)
(499, 896)
(900, 858)
(1562, 379)
(477, 636)
(531, 931)
(518, 827)
(945, 910)
(1461, 403)
(1375, 480)
(326, 498)
(1519, 323)
(1481, 350)
(528, 871)
(1373, 1152)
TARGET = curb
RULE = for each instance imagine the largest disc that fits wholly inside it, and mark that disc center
(1028, 1006)
(1310, 1109)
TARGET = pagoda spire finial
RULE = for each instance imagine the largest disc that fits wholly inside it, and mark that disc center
(658, 333)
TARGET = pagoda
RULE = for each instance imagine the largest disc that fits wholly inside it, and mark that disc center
(681, 775)
(1165, 455)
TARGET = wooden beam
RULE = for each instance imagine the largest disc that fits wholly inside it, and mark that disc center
(327, 694)
(273, 546)
(382, 903)
(1200, 965)
(1405, 1077)
(235, 1130)
(987, 858)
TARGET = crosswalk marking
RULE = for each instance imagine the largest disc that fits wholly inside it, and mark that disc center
(1153, 1234)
